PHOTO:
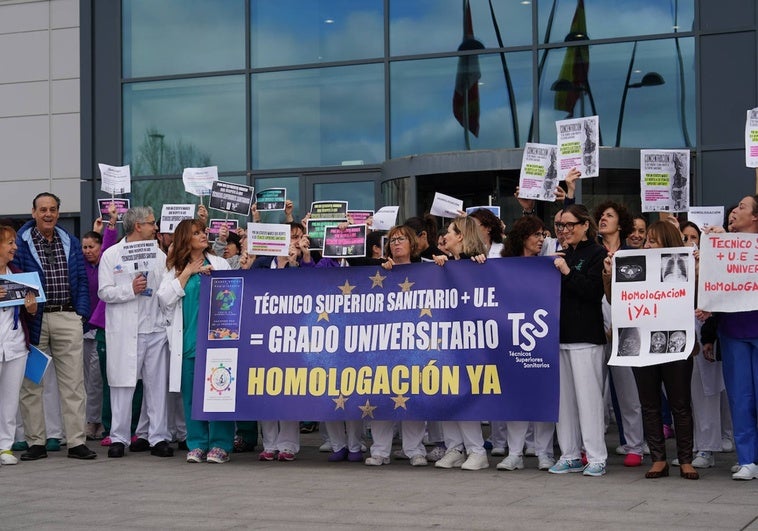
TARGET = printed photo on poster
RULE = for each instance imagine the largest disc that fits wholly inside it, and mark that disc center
(225, 309)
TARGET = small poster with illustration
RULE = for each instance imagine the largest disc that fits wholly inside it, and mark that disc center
(225, 309)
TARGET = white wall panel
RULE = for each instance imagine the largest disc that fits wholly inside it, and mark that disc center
(26, 16)
(65, 97)
(24, 56)
(21, 99)
(65, 53)
(24, 148)
(65, 146)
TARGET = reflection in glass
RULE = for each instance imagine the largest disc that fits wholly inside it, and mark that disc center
(615, 18)
(432, 26)
(318, 117)
(654, 114)
(398, 192)
(172, 125)
(359, 195)
(292, 185)
(288, 32)
(177, 37)
(421, 93)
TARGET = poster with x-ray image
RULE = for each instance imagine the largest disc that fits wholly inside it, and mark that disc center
(579, 146)
(665, 180)
(539, 172)
(751, 139)
(652, 306)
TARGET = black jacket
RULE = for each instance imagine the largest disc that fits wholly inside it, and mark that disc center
(581, 295)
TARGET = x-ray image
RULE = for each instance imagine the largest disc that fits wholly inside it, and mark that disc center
(631, 269)
(674, 267)
(629, 342)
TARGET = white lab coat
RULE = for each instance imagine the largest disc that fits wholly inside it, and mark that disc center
(170, 295)
(124, 311)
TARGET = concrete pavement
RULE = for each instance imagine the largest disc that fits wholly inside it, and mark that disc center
(145, 492)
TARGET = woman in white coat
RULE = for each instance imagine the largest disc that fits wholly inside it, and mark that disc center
(179, 295)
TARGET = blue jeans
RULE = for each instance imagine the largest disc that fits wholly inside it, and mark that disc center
(740, 364)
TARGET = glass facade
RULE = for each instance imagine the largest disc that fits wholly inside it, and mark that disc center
(310, 87)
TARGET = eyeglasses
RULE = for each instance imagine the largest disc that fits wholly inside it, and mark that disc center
(397, 239)
(153, 222)
(49, 251)
(542, 235)
(568, 226)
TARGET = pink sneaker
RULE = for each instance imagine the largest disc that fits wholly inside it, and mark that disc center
(266, 456)
(632, 460)
(286, 456)
(106, 441)
(217, 455)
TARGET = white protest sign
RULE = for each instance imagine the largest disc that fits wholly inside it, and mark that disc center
(579, 146)
(652, 306)
(665, 180)
(115, 180)
(751, 139)
(199, 181)
(539, 172)
(446, 206)
(268, 239)
(139, 257)
(706, 216)
(385, 218)
(171, 215)
(728, 272)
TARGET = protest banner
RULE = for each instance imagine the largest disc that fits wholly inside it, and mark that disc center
(578, 146)
(271, 199)
(115, 180)
(652, 306)
(706, 216)
(751, 138)
(665, 180)
(172, 215)
(199, 181)
(419, 342)
(539, 172)
(231, 197)
(268, 239)
(17, 285)
(346, 243)
(214, 225)
(359, 217)
(103, 206)
(728, 279)
(385, 218)
(445, 206)
(329, 210)
(139, 256)
(316, 230)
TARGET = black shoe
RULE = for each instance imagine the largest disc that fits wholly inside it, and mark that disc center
(182, 445)
(116, 450)
(81, 452)
(162, 449)
(35, 451)
(140, 445)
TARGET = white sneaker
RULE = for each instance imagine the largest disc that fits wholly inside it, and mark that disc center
(675, 461)
(512, 462)
(419, 460)
(545, 462)
(7, 458)
(746, 472)
(436, 453)
(377, 461)
(620, 450)
(735, 468)
(530, 451)
(704, 460)
(452, 459)
(645, 449)
(727, 445)
(498, 450)
(325, 447)
(475, 462)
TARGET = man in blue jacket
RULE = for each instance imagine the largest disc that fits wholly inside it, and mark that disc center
(56, 256)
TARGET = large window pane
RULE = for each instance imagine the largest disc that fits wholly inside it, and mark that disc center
(613, 18)
(359, 195)
(171, 125)
(654, 114)
(318, 117)
(292, 185)
(287, 32)
(422, 117)
(428, 26)
(180, 36)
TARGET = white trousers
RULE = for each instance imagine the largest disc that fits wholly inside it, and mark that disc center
(412, 432)
(177, 426)
(152, 367)
(281, 435)
(93, 382)
(11, 374)
(706, 414)
(580, 412)
(629, 408)
(499, 433)
(464, 434)
(346, 434)
(543, 437)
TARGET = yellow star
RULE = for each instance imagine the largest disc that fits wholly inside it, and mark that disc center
(340, 401)
(377, 280)
(346, 288)
(406, 286)
(400, 401)
(368, 410)
(323, 316)
(425, 311)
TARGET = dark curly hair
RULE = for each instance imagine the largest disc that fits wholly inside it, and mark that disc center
(491, 222)
(626, 221)
(522, 229)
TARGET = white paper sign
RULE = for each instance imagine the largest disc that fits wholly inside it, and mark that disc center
(728, 279)
(171, 215)
(116, 180)
(140, 256)
(579, 146)
(199, 181)
(706, 216)
(539, 172)
(385, 218)
(220, 389)
(446, 206)
(268, 239)
(652, 306)
(751, 139)
(665, 180)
